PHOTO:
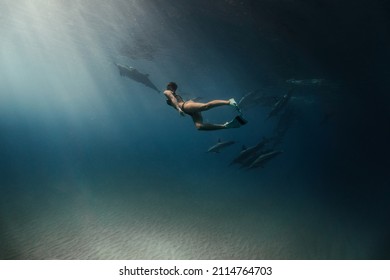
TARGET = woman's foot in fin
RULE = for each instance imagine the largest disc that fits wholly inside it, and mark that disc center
(232, 102)
(236, 122)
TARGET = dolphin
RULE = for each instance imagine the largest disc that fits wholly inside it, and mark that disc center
(307, 82)
(247, 162)
(248, 153)
(255, 98)
(135, 75)
(263, 158)
(219, 146)
(278, 106)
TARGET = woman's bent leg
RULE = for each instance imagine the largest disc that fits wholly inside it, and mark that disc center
(198, 121)
(209, 126)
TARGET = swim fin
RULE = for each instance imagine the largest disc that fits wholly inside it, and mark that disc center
(237, 122)
(241, 120)
(232, 102)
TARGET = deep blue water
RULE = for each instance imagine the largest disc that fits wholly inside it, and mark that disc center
(97, 166)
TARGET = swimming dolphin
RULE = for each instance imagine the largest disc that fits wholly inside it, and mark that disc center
(219, 146)
(257, 97)
(278, 106)
(133, 74)
(248, 153)
(263, 158)
(307, 82)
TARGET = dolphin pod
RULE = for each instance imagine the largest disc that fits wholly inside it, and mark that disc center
(247, 154)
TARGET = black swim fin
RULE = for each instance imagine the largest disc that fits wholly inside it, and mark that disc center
(241, 120)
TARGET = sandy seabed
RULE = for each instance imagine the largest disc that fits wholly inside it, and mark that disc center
(150, 222)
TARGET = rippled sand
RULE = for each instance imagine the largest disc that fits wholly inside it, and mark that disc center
(144, 222)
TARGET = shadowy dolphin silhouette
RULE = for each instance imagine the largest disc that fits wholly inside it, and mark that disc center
(135, 75)
(251, 152)
(263, 158)
(219, 146)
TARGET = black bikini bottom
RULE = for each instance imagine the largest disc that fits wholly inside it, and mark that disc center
(182, 108)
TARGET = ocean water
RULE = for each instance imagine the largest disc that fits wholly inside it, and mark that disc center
(96, 166)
